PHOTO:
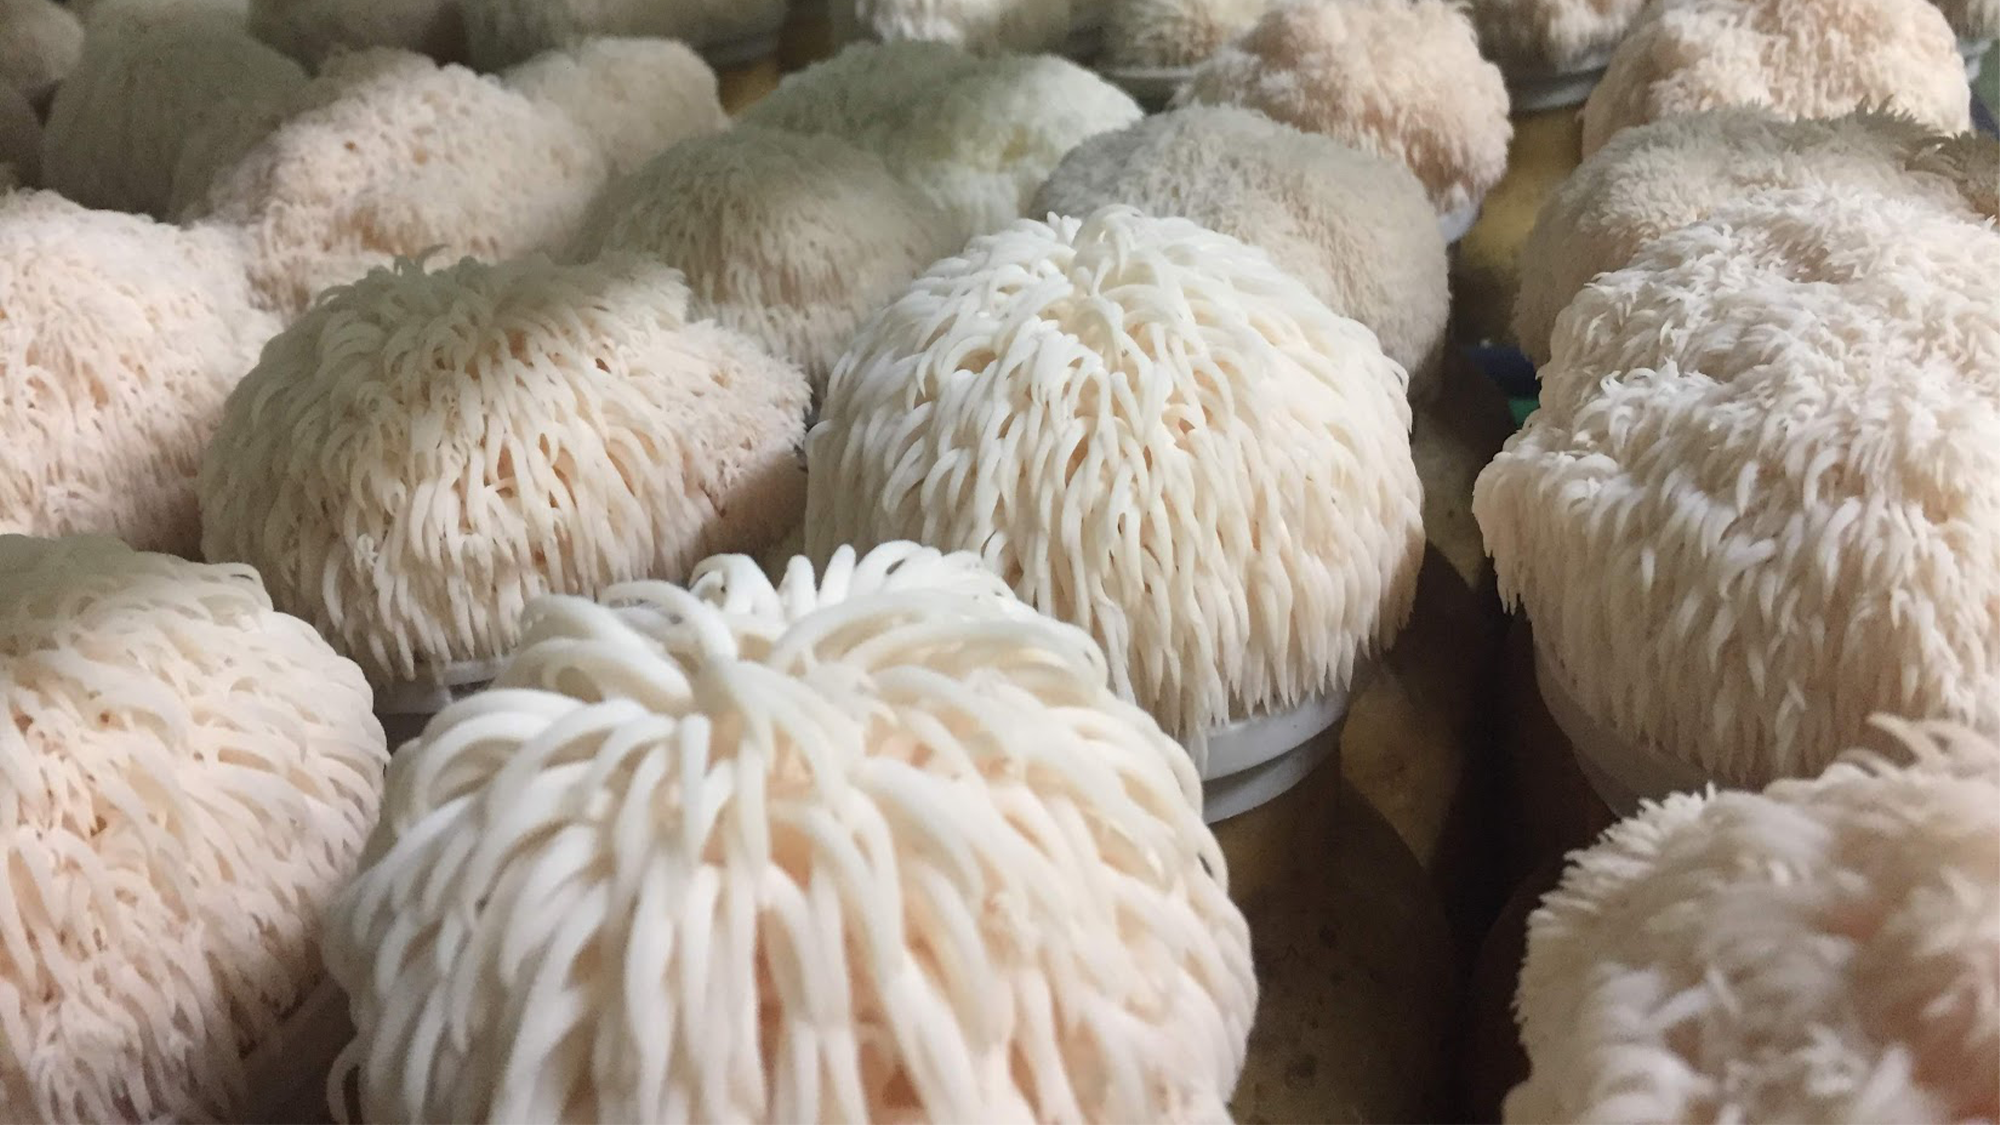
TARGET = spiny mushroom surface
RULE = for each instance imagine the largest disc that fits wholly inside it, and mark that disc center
(787, 238)
(1168, 34)
(311, 30)
(1797, 58)
(879, 846)
(391, 154)
(636, 96)
(422, 453)
(190, 776)
(1153, 433)
(1354, 228)
(40, 41)
(501, 33)
(1396, 78)
(1003, 25)
(147, 84)
(119, 341)
(1652, 179)
(1549, 38)
(1826, 950)
(1761, 498)
(975, 135)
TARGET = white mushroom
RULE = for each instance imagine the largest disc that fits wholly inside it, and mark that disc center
(1761, 498)
(872, 845)
(1797, 58)
(189, 776)
(422, 454)
(638, 97)
(1827, 950)
(787, 238)
(119, 341)
(1152, 433)
(1354, 228)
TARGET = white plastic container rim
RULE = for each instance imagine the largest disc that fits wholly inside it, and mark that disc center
(1455, 225)
(431, 696)
(1253, 761)
(1621, 770)
(301, 1051)
(1534, 93)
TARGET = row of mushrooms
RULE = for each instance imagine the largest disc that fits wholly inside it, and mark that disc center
(831, 565)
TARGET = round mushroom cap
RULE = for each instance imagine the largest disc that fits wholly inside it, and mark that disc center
(1153, 433)
(1761, 498)
(1827, 950)
(1797, 58)
(121, 338)
(190, 777)
(789, 239)
(502, 33)
(40, 41)
(1547, 38)
(149, 82)
(391, 154)
(879, 847)
(1396, 78)
(310, 30)
(423, 453)
(1354, 228)
(1005, 25)
(1173, 33)
(1653, 179)
(975, 135)
(20, 137)
(637, 97)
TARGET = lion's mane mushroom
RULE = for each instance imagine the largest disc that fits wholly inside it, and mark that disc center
(1827, 950)
(1653, 179)
(1153, 433)
(638, 97)
(976, 135)
(1396, 78)
(120, 339)
(877, 846)
(790, 239)
(189, 776)
(148, 84)
(1761, 498)
(1354, 228)
(423, 453)
(1796, 58)
(392, 155)
(40, 41)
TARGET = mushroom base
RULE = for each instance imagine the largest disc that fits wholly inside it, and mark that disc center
(1622, 771)
(1255, 760)
(404, 708)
